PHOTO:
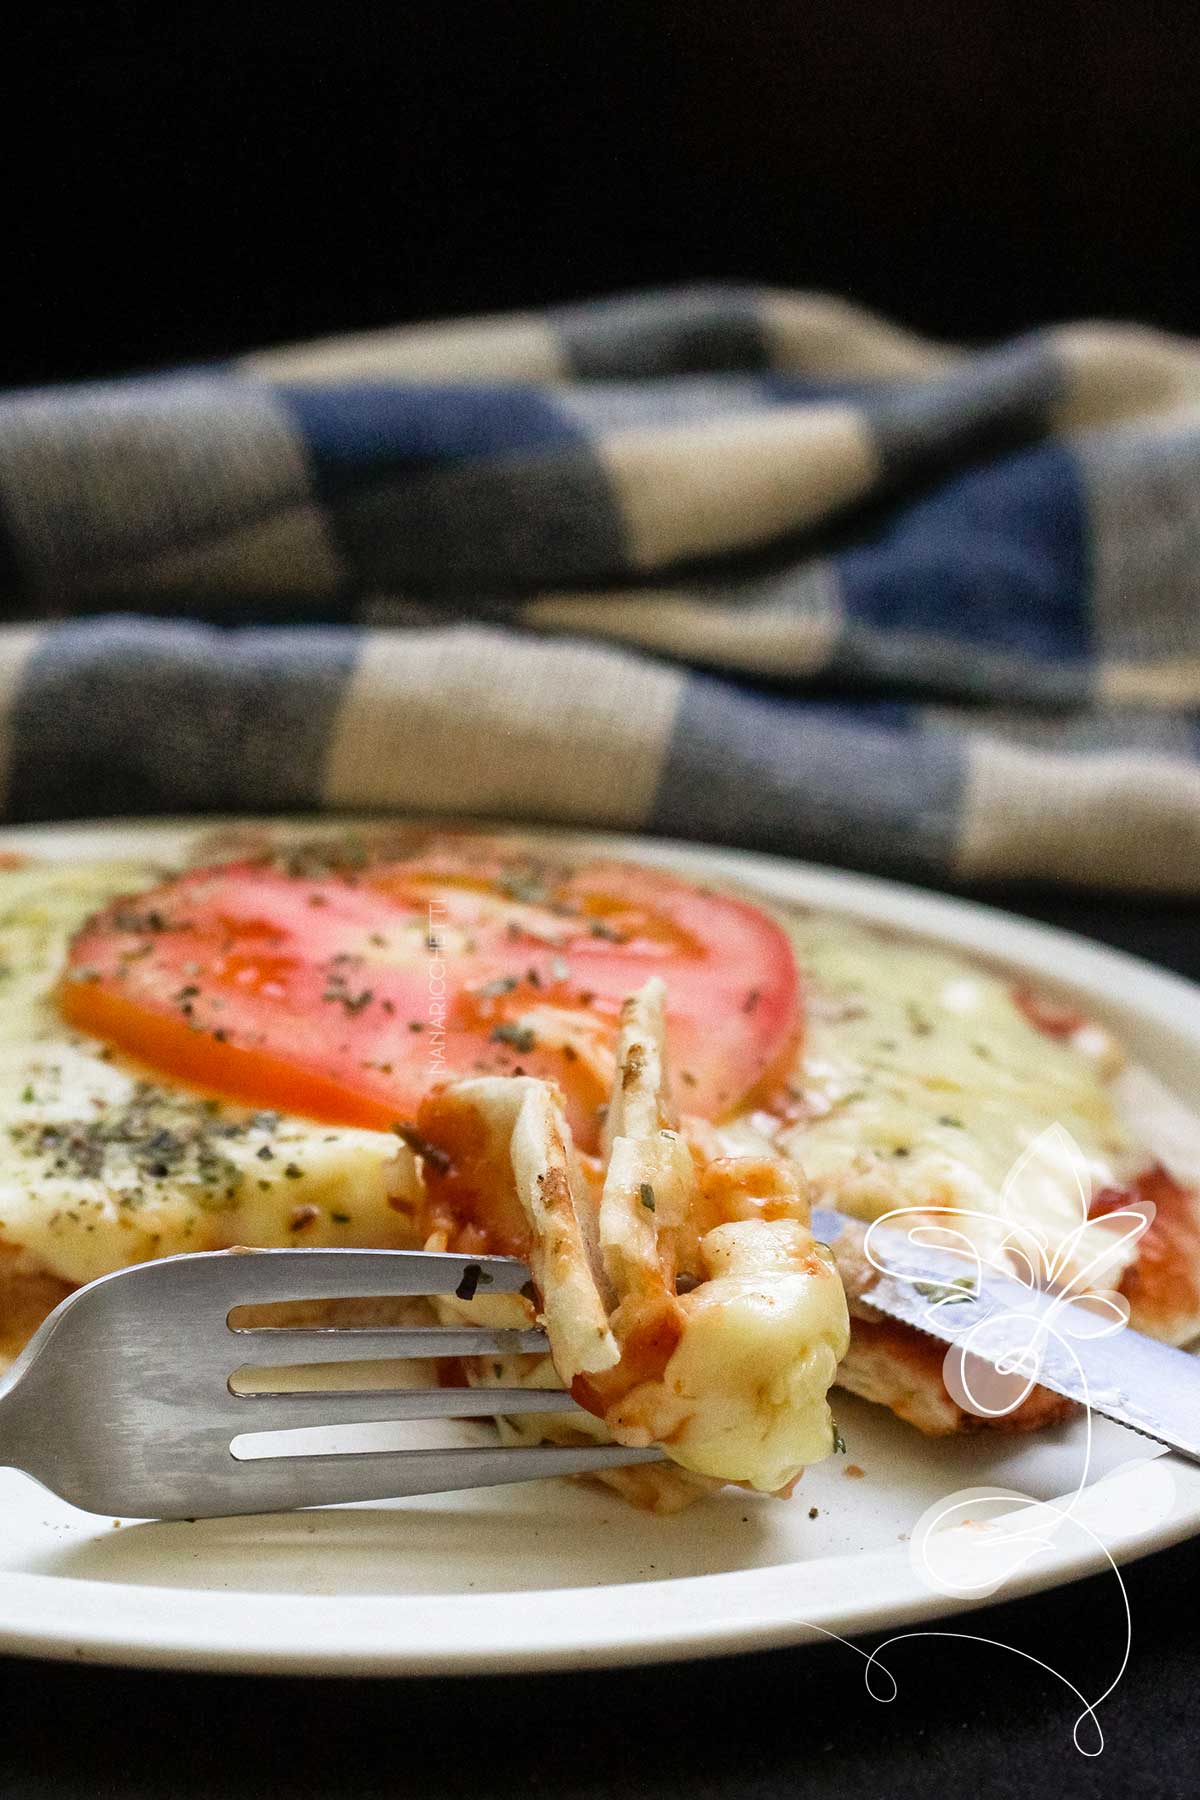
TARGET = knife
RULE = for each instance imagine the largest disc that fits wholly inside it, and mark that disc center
(1149, 1387)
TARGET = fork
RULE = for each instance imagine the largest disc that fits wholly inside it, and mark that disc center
(123, 1401)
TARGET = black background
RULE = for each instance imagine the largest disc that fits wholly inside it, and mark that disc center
(183, 183)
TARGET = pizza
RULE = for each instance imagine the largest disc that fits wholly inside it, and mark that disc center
(637, 1083)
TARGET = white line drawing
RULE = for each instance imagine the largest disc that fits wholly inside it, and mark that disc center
(1079, 1262)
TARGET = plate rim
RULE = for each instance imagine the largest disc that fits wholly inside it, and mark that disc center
(684, 1617)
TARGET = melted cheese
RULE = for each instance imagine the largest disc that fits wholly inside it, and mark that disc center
(100, 1167)
(743, 1396)
(731, 1375)
(923, 1084)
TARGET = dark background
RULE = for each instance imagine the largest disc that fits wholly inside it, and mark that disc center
(180, 185)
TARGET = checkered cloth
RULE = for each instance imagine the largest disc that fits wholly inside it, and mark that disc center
(719, 563)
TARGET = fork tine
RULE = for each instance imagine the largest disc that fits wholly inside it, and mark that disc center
(271, 1346)
(381, 1406)
(281, 1483)
(242, 1277)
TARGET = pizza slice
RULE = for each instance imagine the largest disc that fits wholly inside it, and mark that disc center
(636, 1082)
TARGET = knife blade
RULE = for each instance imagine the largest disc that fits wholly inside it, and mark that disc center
(1150, 1387)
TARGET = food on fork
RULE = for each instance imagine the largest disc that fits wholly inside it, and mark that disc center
(685, 1299)
(386, 1039)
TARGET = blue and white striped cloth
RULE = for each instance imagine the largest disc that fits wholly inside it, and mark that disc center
(722, 563)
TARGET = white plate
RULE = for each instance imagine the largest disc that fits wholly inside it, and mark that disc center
(550, 1575)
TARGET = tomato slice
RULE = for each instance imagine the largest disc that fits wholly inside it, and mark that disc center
(348, 990)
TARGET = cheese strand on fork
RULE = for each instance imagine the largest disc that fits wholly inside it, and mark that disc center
(684, 1297)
